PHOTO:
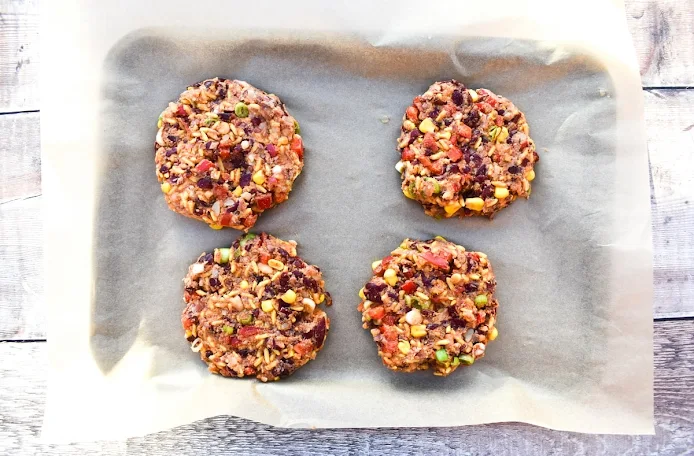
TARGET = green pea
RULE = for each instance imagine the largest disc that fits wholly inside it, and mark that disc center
(241, 109)
(441, 355)
(246, 319)
(224, 255)
(297, 128)
(440, 238)
(467, 359)
(455, 362)
(481, 300)
(228, 329)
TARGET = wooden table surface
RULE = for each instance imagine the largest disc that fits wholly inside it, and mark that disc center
(663, 33)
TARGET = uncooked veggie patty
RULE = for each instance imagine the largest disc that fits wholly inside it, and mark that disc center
(226, 152)
(253, 309)
(430, 305)
(464, 152)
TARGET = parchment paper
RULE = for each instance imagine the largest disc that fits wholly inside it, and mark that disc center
(573, 264)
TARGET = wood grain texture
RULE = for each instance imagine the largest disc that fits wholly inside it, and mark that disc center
(663, 34)
(23, 391)
(21, 249)
(19, 55)
(670, 131)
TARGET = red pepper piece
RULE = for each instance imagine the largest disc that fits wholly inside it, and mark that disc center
(376, 313)
(407, 154)
(297, 146)
(409, 287)
(303, 347)
(390, 319)
(412, 113)
(204, 166)
(435, 167)
(429, 143)
(247, 331)
(225, 220)
(264, 201)
(181, 112)
(465, 131)
(435, 260)
(455, 154)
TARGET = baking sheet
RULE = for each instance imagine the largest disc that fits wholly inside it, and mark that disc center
(573, 263)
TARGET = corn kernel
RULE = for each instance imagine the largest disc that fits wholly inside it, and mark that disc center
(418, 331)
(266, 305)
(427, 126)
(500, 192)
(309, 304)
(275, 264)
(444, 135)
(237, 191)
(452, 208)
(408, 193)
(530, 175)
(375, 264)
(259, 177)
(474, 204)
(166, 187)
(404, 347)
(289, 297)
(321, 298)
(473, 95)
(503, 135)
(216, 227)
(408, 124)
(361, 293)
(244, 284)
(391, 277)
(493, 334)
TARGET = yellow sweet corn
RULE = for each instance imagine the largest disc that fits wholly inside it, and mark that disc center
(266, 305)
(500, 192)
(418, 331)
(427, 126)
(474, 204)
(289, 297)
(391, 277)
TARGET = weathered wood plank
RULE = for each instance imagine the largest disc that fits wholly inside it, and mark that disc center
(22, 304)
(20, 156)
(22, 401)
(663, 34)
(19, 55)
(21, 249)
(670, 131)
